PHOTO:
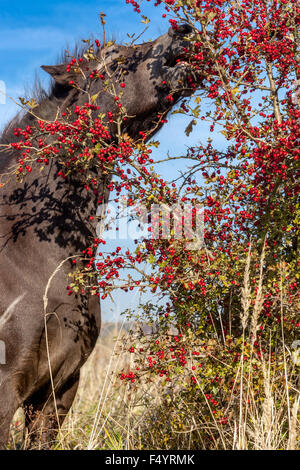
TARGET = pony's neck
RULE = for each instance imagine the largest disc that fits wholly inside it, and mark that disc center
(44, 204)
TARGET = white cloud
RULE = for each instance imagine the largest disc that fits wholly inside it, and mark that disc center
(7, 112)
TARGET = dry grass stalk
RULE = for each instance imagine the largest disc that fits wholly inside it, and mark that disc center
(246, 292)
(294, 424)
(259, 297)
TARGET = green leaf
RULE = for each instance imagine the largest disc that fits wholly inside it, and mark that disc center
(145, 20)
(94, 97)
(151, 259)
(110, 43)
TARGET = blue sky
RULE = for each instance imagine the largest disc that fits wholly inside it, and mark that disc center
(35, 33)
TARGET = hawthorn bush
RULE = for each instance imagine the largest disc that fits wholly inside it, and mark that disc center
(230, 373)
(224, 357)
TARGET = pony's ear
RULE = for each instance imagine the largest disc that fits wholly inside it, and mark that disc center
(59, 73)
(181, 29)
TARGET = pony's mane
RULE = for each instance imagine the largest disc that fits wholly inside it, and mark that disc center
(78, 50)
(38, 92)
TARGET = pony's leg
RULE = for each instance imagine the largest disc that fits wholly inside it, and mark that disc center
(8, 407)
(41, 416)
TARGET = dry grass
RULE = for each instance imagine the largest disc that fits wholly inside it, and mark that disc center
(106, 415)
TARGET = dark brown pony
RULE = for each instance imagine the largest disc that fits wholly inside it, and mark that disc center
(43, 220)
